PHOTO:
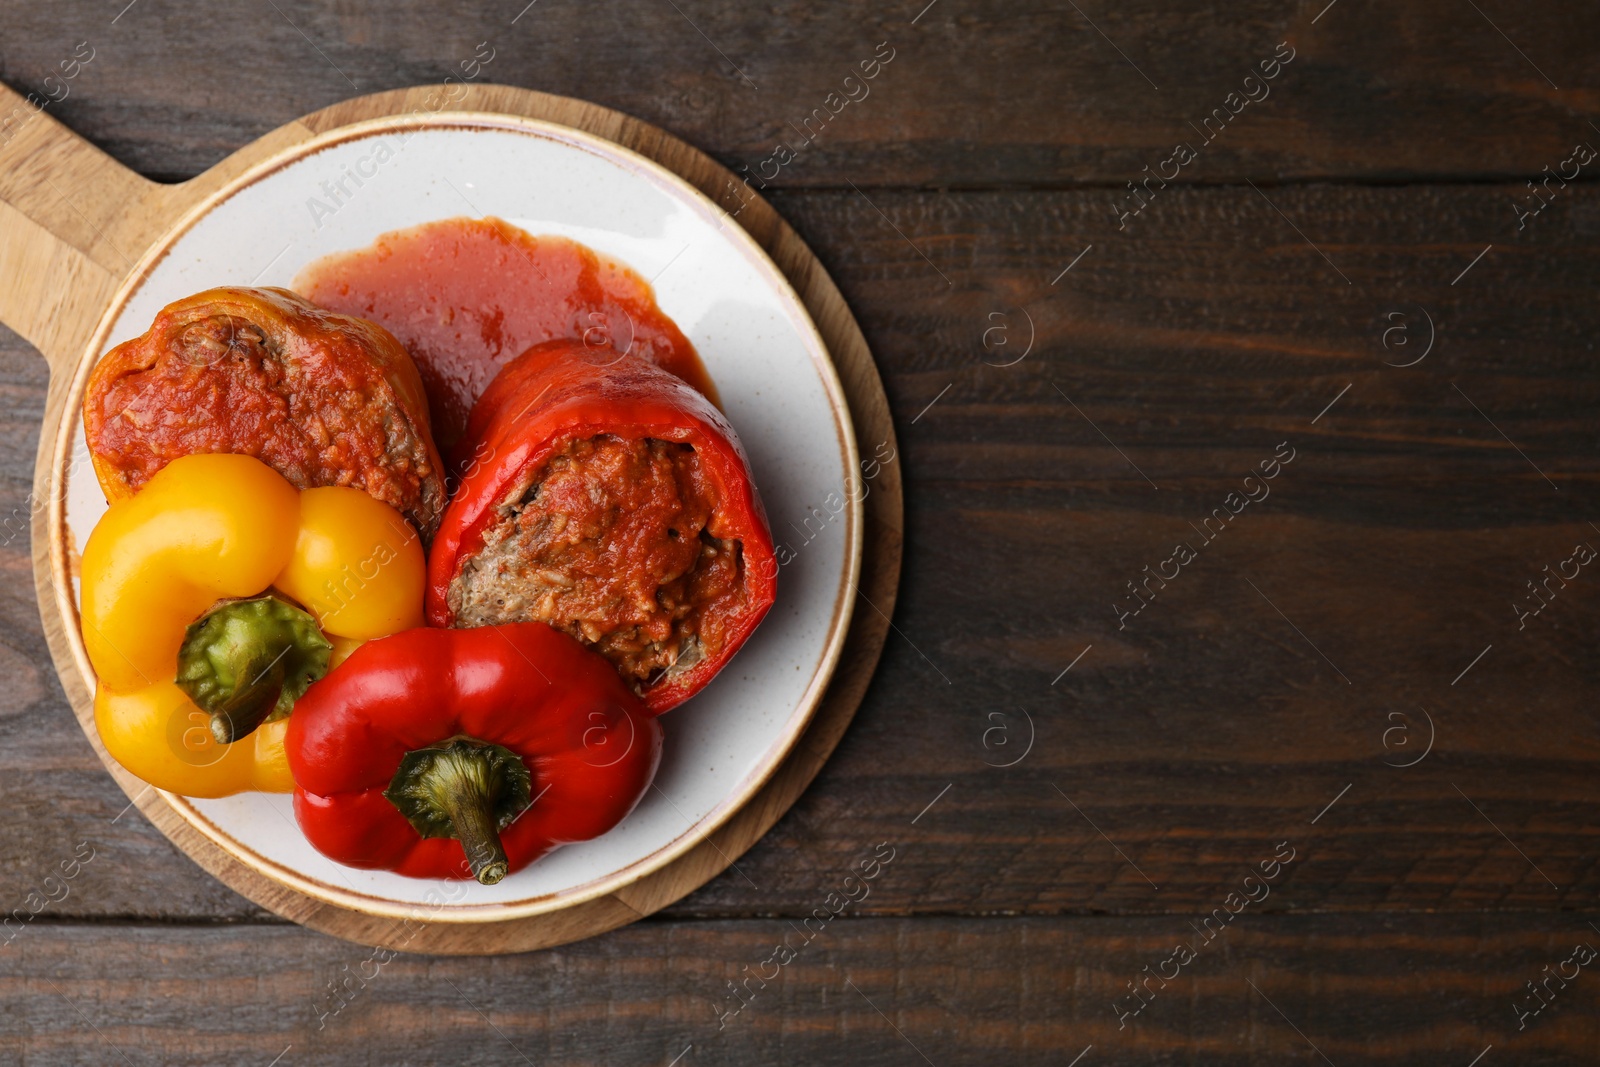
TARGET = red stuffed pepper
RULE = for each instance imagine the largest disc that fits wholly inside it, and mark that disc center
(323, 399)
(467, 753)
(612, 501)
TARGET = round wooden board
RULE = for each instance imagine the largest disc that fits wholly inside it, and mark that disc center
(74, 222)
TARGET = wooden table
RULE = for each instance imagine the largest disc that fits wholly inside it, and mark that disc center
(1086, 747)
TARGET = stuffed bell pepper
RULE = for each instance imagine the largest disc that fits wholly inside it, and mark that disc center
(614, 502)
(214, 596)
(323, 399)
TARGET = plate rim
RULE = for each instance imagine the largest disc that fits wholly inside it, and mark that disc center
(822, 360)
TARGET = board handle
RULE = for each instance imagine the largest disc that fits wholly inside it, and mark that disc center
(71, 228)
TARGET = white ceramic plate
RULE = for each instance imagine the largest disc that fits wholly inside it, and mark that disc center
(777, 384)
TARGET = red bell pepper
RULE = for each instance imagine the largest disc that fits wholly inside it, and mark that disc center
(611, 500)
(467, 753)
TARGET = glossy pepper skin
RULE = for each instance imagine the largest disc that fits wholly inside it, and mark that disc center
(562, 392)
(209, 528)
(586, 741)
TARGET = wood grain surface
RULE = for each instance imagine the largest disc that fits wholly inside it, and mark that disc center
(1026, 93)
(957, 992)
(1269, 693)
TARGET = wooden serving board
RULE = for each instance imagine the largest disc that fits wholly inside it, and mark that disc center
(73, 225)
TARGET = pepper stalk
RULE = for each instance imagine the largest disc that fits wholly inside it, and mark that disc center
(246, 662)
(466, 789)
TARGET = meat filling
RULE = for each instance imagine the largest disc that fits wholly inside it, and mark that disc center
(616, 543)
(221, 387)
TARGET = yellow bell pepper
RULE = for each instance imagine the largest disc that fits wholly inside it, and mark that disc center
(197, 669)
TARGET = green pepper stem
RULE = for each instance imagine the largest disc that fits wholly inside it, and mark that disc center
(468, 790)
(471, 812)
(247, 661)
(249, 706)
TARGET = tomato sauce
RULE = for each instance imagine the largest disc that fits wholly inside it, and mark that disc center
(465, 296)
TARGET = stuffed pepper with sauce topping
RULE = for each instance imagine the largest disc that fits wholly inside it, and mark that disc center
(614, 502)
(321, 398)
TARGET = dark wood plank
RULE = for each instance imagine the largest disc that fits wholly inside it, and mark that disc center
(1210, 728)
(1357, 989)
(1397, 542)
(1025, 93)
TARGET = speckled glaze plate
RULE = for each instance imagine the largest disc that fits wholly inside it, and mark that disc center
(339, 191)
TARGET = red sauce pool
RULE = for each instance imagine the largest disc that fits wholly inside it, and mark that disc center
(465, 296)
